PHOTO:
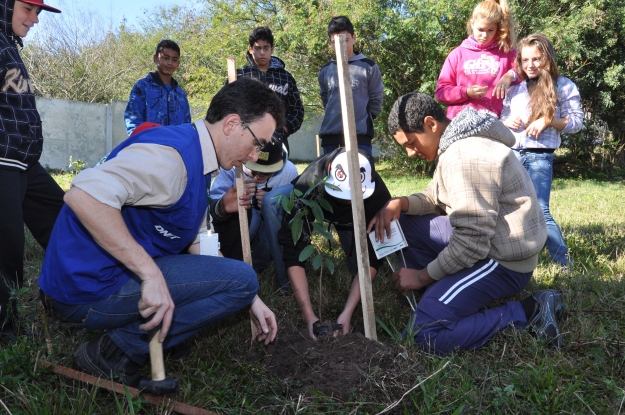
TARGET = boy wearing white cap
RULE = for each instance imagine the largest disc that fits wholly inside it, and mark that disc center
(375, 195)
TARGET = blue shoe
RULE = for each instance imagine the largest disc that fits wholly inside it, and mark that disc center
(544, 320)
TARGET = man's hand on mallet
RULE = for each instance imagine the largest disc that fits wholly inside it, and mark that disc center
(156, 302)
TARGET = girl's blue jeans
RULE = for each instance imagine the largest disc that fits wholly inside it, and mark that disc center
(540, 168)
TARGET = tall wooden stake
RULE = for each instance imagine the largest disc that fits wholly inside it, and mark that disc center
(318, 145)
(358, 208)
(243, 225)
(245, 230)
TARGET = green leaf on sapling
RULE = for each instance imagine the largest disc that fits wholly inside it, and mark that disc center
(329, 264)
(325, 204)
(306, 253)
(317, 261)
(316, 210)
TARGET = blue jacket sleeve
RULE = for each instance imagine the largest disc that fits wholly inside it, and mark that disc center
(224, 181)
(135, 112)
(186, 108)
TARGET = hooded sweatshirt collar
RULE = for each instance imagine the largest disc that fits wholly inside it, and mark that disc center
(471, 123)
(157, 78)
(6, 19)
(274, 62)
(472, 44)
(356, 57)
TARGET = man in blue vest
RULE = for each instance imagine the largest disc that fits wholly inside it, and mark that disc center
(117, 259)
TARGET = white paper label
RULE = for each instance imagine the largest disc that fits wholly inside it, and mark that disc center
(396, 242)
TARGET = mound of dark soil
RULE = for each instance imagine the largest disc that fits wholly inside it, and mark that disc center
(336, 367)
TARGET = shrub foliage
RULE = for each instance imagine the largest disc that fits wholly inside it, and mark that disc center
(409, 39)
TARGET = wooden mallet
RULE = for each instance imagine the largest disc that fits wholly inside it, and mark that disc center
(159, 384)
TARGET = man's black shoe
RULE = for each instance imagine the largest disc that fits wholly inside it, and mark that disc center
(102, 357)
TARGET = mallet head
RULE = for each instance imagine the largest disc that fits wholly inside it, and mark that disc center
(159, 387)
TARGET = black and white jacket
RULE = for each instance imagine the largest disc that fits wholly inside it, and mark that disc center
(21, 138)
(283, 84)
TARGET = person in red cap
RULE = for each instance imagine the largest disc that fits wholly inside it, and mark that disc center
(29, 195)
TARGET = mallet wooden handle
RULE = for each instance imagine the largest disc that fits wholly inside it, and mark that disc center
(156, 357)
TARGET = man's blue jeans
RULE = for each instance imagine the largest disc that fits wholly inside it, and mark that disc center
(204, 289)
(540, 168)
(273, 214)
(261, 255)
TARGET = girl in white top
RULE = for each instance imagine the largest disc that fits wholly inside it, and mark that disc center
(538, 111)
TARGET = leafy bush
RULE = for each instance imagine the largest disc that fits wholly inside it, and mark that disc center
(409, 39)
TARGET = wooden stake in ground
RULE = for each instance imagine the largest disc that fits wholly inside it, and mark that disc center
(318, 145)
(245, 230)
(243, 225)
(358, 208)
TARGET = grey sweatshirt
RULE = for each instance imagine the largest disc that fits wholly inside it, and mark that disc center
(367, 90)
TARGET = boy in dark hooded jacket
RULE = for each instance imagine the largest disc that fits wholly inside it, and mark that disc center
(29, 195)
(270, 71)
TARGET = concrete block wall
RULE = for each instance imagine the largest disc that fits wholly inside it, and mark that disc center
(87, 132)
(303, 144)
(71, 129)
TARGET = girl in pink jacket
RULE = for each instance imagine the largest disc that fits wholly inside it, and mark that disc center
(479, 71)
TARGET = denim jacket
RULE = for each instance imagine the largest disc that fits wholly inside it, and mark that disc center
(151, 100)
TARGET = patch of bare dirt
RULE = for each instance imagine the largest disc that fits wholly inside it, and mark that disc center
(336, 367)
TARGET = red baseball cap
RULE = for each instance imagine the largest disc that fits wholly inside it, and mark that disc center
(145, 125)
(41, 4)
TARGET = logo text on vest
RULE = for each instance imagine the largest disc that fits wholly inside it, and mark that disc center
(165, 232)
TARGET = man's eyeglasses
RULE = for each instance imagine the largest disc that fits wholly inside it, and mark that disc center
(258, 145)
(259, 49)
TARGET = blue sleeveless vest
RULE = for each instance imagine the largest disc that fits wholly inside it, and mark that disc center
(76, 270)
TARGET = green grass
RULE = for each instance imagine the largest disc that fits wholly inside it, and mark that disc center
(514, 373)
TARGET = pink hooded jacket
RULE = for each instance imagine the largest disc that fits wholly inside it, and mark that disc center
(469, 64)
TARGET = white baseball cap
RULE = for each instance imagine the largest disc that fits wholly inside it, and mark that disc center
(339, 177)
